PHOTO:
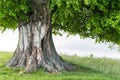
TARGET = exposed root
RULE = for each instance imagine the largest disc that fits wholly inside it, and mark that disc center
(69, 67)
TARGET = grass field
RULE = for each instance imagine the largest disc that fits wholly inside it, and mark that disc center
(89, 69)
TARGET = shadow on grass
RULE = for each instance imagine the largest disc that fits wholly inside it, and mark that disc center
(80, 68)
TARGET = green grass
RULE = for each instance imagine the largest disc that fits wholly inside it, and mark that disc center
(4, 57)
(104, 65)
(89, 69)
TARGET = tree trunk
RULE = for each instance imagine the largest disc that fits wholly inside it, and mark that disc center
(35, 47)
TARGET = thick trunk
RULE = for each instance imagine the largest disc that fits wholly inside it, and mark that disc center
(35, 47)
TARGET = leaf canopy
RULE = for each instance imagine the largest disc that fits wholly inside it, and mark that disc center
(97, 19)
(11, 11)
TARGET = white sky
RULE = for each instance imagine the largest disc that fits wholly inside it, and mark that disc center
(67, 45)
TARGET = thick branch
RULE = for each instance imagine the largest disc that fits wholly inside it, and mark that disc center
(38, 2)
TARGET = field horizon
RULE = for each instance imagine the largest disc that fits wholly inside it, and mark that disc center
(89, 68)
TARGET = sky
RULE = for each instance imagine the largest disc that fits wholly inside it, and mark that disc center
(71, 45)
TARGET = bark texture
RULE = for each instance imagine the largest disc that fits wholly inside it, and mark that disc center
(35, 47)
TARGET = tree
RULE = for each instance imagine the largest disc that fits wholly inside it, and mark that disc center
(38, 19)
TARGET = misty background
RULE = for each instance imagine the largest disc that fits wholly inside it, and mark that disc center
(71, 45)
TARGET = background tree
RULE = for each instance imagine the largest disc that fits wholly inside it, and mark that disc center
(37, 19)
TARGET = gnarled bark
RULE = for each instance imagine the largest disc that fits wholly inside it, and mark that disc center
(35, 47)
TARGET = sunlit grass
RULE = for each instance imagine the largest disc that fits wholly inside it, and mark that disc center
(4, 57)
(89, 69)
(104, 65)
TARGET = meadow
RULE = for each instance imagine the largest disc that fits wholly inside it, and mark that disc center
(88, 69)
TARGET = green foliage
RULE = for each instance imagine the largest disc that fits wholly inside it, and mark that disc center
(11, 11)
(69, 16)
(97, 19)
(104, 23)
(85, 71)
